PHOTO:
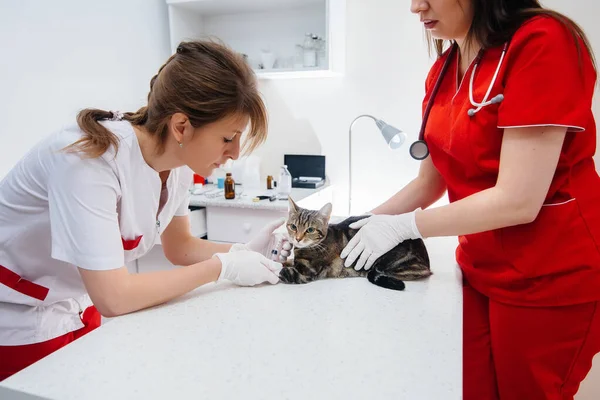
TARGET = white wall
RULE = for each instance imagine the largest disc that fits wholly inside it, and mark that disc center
(60, 56)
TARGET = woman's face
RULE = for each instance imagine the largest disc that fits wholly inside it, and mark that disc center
(445, 19)
(204, 149)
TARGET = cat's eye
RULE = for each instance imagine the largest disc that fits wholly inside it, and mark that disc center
(310, 230)
(293, 227)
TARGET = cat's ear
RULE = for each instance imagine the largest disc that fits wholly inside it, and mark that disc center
(293, 205)
(326, 210)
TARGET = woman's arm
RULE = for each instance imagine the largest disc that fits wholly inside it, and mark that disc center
(427, 188)
(528, 161)
(117, 292)
(182, 248)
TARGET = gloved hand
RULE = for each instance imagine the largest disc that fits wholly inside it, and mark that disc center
(378, 235)
(248, 268)
(266, 242)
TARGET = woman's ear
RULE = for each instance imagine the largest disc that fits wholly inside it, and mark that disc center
(178, 124)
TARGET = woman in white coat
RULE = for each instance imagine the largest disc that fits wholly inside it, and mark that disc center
(96, 195)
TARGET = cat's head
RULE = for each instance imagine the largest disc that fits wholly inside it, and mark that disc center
(307, 228)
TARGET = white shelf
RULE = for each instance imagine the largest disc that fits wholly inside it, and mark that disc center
(295, 74)
(219, 7)
(249, 26)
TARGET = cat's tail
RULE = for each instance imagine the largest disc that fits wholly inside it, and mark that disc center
(385, 281)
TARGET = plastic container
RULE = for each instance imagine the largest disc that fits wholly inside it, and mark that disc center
(310, 53)
(284, 184)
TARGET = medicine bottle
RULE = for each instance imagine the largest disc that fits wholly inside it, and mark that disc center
(229, 187)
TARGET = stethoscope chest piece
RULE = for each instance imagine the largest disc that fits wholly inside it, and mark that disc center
(419, 150)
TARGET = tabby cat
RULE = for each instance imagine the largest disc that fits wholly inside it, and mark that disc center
(318, 244)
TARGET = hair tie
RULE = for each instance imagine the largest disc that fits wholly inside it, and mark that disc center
(181, 49)
(116, 116)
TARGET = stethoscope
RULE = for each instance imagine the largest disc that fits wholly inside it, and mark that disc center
(419, 150)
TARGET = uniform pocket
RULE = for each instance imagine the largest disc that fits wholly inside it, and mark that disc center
(558, 241)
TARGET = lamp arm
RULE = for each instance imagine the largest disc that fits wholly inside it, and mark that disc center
(350, 158)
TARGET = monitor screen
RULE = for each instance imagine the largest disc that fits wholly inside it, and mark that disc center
(305, 165)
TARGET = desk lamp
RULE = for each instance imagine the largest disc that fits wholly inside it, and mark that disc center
(394, 137)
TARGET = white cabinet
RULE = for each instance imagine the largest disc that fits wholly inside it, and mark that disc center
(238, 225)
(268, 32)
(198, 221)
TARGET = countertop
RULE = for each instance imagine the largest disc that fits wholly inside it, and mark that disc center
(331, 339)
(244, 198)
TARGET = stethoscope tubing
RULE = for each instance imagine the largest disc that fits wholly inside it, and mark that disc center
(419, 149)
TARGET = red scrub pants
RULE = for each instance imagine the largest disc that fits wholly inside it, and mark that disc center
(15, 358)
(526, 353)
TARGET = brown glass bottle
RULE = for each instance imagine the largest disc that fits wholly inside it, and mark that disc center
(269, 182)
(229, 187)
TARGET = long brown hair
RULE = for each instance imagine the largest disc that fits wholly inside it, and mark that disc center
(204, 80)
(496, 21)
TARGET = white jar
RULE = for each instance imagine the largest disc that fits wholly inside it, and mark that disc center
(284, 184)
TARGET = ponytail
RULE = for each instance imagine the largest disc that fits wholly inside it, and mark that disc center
(97, 139)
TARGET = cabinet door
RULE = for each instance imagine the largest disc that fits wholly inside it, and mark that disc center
(238, 225)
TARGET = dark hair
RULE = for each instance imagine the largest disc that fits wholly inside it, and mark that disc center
(204, 80)
(496, 21)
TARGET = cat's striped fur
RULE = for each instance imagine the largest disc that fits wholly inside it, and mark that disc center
(317, 252)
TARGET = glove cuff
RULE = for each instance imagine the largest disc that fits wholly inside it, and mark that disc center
(238, 247)
(413, 223)
(223, 258)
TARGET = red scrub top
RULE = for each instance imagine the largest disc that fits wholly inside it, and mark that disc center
(554, 260)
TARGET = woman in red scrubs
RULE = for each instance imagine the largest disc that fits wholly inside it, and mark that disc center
(523, 189)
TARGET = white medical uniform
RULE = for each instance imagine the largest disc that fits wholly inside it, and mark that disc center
(59, 211)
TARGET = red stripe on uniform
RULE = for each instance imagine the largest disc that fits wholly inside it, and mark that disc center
(28, 288)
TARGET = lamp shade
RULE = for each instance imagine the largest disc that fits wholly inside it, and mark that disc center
(394, 137)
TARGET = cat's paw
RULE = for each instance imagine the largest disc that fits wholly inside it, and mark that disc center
(292, 276)
(286, 275)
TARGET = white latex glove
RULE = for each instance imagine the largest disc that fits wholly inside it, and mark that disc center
(378, 235)
(248, 268)
(272, 245)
